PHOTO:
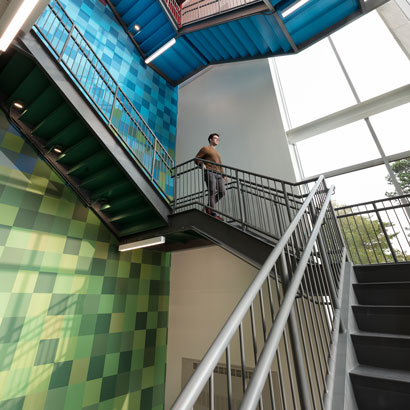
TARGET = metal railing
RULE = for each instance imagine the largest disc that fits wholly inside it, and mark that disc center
(377, 231)
(202, 9)
(254, 203)
(286, 325)
(70, 48)
(175, 10)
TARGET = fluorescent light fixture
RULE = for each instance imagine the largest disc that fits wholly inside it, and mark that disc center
(293, 8)
(18, 105)
(142, 244)
(157, 53)
(57, 149)
(16, 23)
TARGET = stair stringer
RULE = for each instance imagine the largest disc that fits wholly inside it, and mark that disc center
(346, 360)
(88, 114)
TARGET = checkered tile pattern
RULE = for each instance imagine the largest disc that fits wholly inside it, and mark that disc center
(152, 96)
(81, 325)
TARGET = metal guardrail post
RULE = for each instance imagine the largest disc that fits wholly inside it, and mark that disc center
(203, 183)
(153, 159)
(175, 189)
(385, 233)
(240, 200)
(296, 345)
(69, 35)
(113, 105)
(332, 289)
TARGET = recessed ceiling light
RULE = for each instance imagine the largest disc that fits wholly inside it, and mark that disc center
(137, 27)
(18, 105)
(58, 150)
(142, 244)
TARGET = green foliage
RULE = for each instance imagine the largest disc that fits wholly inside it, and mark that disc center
(401, 169)
(365, 239)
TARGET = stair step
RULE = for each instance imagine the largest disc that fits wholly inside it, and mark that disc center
(66, 138)
(101, 178)
(392, 294)
(17, 68)
(380, 389)
(80, 151)
(119, 204)
(42, 106)
(383, 319)
(382, 350)
(91, 165)
(387, 272)
(30, 88)
(113, 191)
(55, 122)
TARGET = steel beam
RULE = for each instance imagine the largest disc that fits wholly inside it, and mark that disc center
(356, 112)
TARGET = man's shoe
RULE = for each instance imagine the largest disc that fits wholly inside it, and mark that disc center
(218, 217)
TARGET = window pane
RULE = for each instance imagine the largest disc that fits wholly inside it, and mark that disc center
(393, 129)
(372, 57)
(313, 84)
(338, 148)
(360, 186)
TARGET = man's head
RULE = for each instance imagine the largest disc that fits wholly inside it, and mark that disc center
(213, 139)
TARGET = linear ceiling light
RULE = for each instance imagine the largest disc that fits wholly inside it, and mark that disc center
(293, 8)
(157, 53)
(16, 23)
(142, 244)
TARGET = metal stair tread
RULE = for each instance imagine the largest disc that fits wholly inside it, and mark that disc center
(382, 283)
(381, 373)
(381, 306)
(393, 336)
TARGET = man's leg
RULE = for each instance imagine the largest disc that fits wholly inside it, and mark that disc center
(220, 187)
(210, 179)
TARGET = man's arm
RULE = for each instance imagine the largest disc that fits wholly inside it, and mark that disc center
(200, 155)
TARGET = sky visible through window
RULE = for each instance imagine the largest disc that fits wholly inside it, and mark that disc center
(314, 86)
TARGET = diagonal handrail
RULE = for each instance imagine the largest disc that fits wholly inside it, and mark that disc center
(254, 390)
(323, 225)
(71, 49)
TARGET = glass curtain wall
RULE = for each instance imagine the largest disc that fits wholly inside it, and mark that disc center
(359, 63)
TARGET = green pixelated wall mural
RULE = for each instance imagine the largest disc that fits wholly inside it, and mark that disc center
(81, 325)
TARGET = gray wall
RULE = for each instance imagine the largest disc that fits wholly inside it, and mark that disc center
(238, 101)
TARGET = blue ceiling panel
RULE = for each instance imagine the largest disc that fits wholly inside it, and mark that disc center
(250, 24)
(244, 37)
(156, 29)
(304, 27)
(207, 50)
(231, 37)
(178, 61)
(250, 36)
(313, 10)
(264, 24)
(282, 41)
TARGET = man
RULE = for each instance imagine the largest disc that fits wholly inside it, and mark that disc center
(213, 173)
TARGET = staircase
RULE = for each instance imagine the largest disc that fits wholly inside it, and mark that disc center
(381, 381)
(77, 143)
